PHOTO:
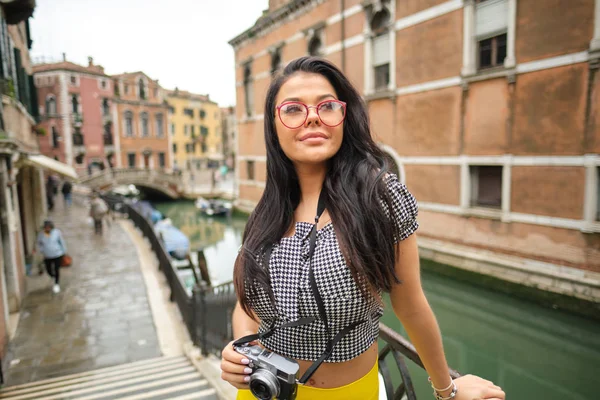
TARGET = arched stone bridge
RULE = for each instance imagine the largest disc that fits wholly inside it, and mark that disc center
(171, 185)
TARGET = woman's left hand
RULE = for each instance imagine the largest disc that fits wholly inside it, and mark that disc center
(471, 387)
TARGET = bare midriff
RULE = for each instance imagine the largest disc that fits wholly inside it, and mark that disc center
(332, 375)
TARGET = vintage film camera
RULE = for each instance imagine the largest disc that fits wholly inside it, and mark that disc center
(273, 376)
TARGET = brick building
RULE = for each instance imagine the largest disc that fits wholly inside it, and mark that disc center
(75, 102)
(488, 108)
(141, 115)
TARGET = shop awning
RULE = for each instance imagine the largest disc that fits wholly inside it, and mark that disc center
(50, 164)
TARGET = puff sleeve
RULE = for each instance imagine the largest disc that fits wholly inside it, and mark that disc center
(404, 208)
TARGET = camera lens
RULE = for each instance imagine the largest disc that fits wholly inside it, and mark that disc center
(261, 391)
(264, 385)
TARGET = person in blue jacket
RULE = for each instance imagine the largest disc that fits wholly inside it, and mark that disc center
(51, 244)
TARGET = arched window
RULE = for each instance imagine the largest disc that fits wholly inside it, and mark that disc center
(159, 125)
(105, 107)
(275, 61)
(145, 128)
(128, 123)
(142, 89)
(379, 23)
(50, 105)
(55, 137)
(248, 90)
(75, 103)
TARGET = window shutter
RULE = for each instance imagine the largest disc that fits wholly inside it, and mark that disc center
(381, 49)
(491, 18)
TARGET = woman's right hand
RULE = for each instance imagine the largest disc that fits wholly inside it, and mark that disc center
(234, 367)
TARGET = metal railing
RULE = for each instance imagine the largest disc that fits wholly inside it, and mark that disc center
(208, 314)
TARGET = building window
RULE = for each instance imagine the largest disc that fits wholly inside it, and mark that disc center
(159, 125)
(131, 160)
(142, 89)
(155, 92)
(193, 131)
(79, 158)
(188, 148)
(103, 84)
(185, 130)
(174, 148)
(248, 90)
(73, 80)
(116, 86)
(275, 61)
(108, 137)
(161, 160)
(144, 121)
(379, 24)
(492, 52)
(202, 114)
(128, 124)
(203, 131)
(171, 110)
(250, 170)
(126, 88)
(55, 137)
(189, 112)
(203, 147)
(50, 105)
(172, 129)
(105, 107)
(486, 186)
(75, 104)
(315, 43)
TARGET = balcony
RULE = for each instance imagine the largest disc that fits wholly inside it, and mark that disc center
(18, 124)
(106, 119)
(108, 143)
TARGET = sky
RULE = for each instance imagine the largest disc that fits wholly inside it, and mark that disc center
(181, 43)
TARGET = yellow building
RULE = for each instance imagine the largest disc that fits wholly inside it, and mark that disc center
(195, 129)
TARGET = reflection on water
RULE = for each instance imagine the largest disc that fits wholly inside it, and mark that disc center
(218, 236)
(531, 351)
(534, 353)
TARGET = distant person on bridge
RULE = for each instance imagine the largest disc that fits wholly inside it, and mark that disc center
(98, 210)
(309, 287)
(51, 244)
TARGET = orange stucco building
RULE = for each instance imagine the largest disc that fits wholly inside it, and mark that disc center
(488, 108)
(141, 135)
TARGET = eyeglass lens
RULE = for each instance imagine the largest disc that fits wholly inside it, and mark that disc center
(293, 115)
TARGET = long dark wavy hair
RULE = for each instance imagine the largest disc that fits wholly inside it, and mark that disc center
(356, 196)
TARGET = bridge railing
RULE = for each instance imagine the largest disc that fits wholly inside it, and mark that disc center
(208, 314)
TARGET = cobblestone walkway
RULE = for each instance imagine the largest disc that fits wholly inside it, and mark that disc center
(100, 318)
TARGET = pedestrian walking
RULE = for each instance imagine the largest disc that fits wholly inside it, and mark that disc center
(66, 190)
(98, 210)
(51, 189)
(312, 285)
(51, 244)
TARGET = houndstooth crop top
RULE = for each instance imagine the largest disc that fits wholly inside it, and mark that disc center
(343, 301)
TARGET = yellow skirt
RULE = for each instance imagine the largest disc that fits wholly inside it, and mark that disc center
(366, 388)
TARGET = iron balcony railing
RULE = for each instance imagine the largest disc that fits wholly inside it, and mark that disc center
(208, 313)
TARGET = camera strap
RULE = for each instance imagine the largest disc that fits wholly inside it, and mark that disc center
(319, 300)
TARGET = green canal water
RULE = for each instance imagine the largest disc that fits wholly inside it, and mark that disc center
(533, 352)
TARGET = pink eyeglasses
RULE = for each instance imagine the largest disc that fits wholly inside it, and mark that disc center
(293, 114)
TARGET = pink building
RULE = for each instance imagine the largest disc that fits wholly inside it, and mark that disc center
(75, 105)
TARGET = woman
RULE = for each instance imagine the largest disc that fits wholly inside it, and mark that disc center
(51, 244)
(326, 277)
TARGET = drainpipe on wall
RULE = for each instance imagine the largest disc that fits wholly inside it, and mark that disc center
(343, 27)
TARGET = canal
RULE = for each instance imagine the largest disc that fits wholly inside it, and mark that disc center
(533, 352)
